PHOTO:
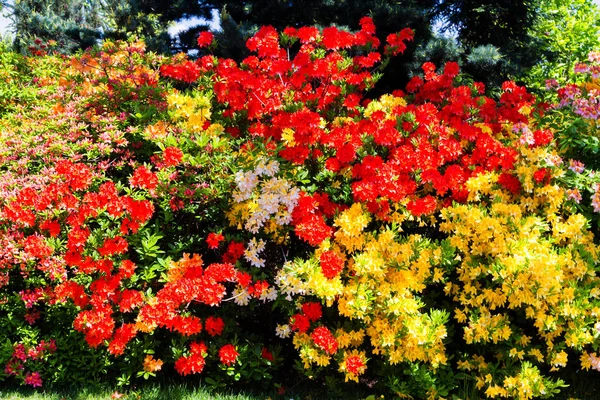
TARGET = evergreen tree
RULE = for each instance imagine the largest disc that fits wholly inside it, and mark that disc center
(72, 24)
(504, 24)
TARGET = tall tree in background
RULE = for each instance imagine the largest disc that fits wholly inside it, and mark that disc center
(73, 24)
(500, 30)
(77, 24)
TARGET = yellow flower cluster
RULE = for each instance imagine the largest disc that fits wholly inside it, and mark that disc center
(194, 111)
(386, 276)
(524, 264)
(385, 103)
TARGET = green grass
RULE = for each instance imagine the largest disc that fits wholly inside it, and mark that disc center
(172, 392)
(169, 392)
(585, 387)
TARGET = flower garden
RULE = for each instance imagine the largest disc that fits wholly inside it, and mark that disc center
(250, 222)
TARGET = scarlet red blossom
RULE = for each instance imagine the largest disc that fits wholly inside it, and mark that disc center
(111, 246)
(205, 39)
(542, 176)
(130, 299)
(542, 137)
(423, 206)
(312, 311)
(228, 354)
(266, 354)
(395, 41)
(36, 246)
(510, 183)
(144, 178)
(52, 226)
(300, 323)
(214, 239)
(97, 325)
(331, 264)
(235, 250)
(123, 335)
(324, 339)
(172, 156)
(214, 326)
(355, 365)
(187, 71)
(193, 364)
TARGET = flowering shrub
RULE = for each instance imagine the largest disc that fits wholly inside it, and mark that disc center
(575, 120)
(222, 219)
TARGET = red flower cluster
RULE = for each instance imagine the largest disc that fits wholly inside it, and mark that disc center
(324, 339)
(144, 178)
(228, 354)
(214, 239)
(355, 365)
(205, 39)
(214, 326)
(331, 264)
(194, 363)
(187, 71)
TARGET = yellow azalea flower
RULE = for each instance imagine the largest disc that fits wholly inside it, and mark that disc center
(496, 391)
(386, 103)
(287, 136)
(560, 359)
(353, 220)
(514, 353)
(586, 361)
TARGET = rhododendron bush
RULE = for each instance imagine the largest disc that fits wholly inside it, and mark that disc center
(161, 215)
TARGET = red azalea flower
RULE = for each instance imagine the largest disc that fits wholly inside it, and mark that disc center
(312, 311)
(144, 178)
(123, 335)
(510, 183)
(205, 39)
(193, 364)
(116, 245)
(198, 349)
(214, 326)
(52, 226)
(130, 299)
(422, 206)
(331, 264)
(228, 355)
(213, 240)
(172, 156)
(300, 323)
(542, 176)
(235, 250)
(266, 354)
(35, 246)
(355, 365)
(324, 340)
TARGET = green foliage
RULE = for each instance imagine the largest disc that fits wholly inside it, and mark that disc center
(568, 30)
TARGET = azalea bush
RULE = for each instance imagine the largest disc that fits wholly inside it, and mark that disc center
(162, 215)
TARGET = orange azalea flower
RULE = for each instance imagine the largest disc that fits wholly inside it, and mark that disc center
(152, 365)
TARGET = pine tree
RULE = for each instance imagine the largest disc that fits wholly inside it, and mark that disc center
(72, 24)
(500, 29)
